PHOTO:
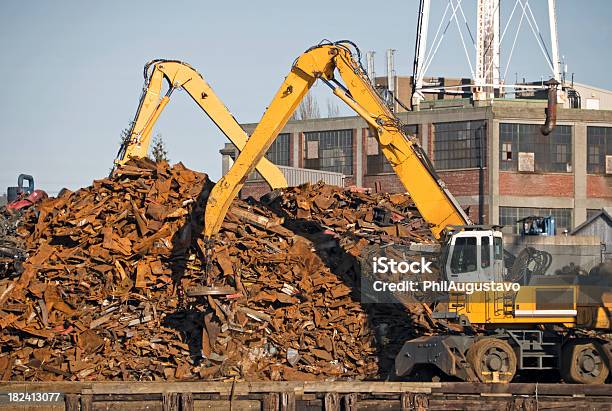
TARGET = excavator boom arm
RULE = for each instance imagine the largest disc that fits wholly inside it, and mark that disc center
(409, 161)
(181, 75)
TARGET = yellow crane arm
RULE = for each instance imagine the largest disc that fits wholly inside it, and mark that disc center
(408, 159)
(181, 75)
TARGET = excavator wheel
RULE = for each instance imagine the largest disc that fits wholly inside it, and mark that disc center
(583, 362)
(493, 360)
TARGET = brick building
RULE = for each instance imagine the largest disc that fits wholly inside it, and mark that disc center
(491, 155)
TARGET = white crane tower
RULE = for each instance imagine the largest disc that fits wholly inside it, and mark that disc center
(484, 63)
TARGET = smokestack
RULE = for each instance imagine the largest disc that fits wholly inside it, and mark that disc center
(370, 67)
(551, 109)
(390, 70)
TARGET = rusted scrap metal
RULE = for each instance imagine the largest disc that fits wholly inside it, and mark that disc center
(200, 291)
(120, 284)
(346, 211)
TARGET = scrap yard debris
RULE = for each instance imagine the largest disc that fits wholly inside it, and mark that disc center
(12, 247)
(118, 285)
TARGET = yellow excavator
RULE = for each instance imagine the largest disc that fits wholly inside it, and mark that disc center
(181, 75)
(407, 158)
(492, 334)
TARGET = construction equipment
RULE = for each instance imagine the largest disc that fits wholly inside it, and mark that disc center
(19, 197)
(12, 193)
(181, 75)
(408, 159)
(538, 327)
(549, 324)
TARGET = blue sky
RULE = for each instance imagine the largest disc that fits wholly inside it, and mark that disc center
(72, 70)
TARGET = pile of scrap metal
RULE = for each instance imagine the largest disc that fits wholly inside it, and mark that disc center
(121, 285)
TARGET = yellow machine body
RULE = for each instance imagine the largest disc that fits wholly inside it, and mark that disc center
(567, 305)
(181, 75)
(408, 160)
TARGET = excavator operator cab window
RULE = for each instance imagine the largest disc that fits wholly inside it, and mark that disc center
(498, 248)
(474, 256)
(485, 252)
(464, 255)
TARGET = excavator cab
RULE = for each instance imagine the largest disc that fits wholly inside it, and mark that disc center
(473, 254)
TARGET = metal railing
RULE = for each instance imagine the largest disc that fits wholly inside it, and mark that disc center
(296, 176)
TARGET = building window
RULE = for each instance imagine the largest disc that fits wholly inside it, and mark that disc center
(561, 153)
(464, 255)
(506, 152)
(329, 151)
(594, 159)
(459, 145)
(552, 153)
(508, 216)
(278, 153)
(599, 145)
(376, 162)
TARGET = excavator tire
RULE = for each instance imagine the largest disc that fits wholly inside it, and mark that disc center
(583, 362)
(493, 360)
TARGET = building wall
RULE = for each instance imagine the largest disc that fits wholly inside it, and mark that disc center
(388, 183)
(463, 182)
(254, 189)
(465, 185)
(599, 186)
(601, 98)
(530, 185)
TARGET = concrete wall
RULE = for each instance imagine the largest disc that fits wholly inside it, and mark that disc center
(603, 97)
(579, 163)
